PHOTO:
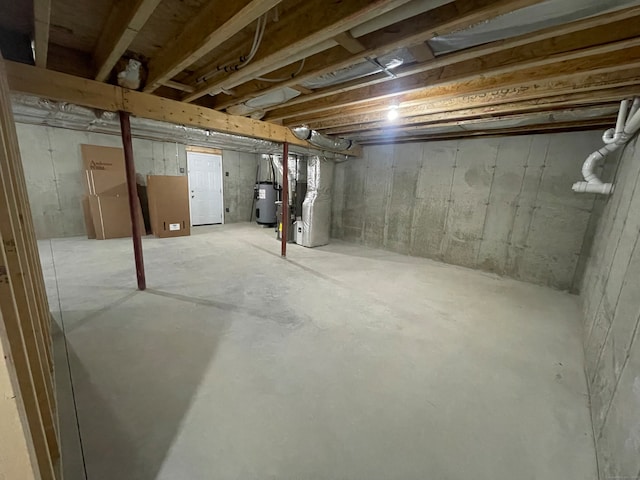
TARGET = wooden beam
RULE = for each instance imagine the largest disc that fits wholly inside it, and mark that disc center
(350, 44)
(444, 100)
(322, 22)
(444, 113)
(61, 86)
(543, 42)
(217, 22)
(450, 17)
(178, 86)
(89, 93)
(593, 124)
(605, 111)
(41, 19)
(500, 69)
(301, 89)
(210, 151)
(125, 20)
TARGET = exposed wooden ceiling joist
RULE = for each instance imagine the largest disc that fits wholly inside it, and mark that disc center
(591, 31)
(217, 22)
(322, 21)
(125, 20)
(444, 99)
(571, 65)
(580, 115)
(178, 86)
(464, 78)
(594, 124)
(41, 19)
(90, 93)
(414, 31)
(375, 121)
(350, 44)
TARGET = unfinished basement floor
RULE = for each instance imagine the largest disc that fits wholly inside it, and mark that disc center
(340, 362)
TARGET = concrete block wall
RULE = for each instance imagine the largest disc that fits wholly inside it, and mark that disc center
(239, 170)
(503, 204)
(53, 170)
(610, 296)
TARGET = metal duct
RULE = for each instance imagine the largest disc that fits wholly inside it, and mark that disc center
(524, 20)
(263, 101)
(37, 111)
(293, 173)
(320, 140)
(360, 70)
(316, 208)
(408, 10)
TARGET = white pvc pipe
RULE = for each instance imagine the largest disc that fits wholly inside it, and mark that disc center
(613, 135)
(626, 128)
(584, 187)
(635, 107)
(622, 117)
(632, 127)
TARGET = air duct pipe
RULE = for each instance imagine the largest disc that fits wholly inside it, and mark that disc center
(322, 141)
(627, 126)
(276, 162)
(316, 208)
(33, 110)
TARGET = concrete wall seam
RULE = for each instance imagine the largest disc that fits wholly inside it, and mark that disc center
(503, 205)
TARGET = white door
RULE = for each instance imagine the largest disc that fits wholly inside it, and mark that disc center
(205, 188)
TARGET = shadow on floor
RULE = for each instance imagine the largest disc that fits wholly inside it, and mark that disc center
(135, 370)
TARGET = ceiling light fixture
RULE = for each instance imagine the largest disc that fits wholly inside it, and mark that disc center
(393, 113)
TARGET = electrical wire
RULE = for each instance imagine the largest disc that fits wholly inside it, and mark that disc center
(293, 75)
(257, 40)
(230, 67)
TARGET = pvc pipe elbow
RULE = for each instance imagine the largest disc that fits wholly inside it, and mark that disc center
(591, 178)
(609, 136)
(627, 125)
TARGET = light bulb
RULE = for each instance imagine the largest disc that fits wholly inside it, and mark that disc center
(393, 113)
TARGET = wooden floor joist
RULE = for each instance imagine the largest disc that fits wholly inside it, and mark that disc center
(41, 21)
(596, 124)
(125, 21)
(463, 76)
(441, 113)
(482, 91)
(414, 31)
(326, 64)
(484, 124)
(583, 34)
(284, 44)
(216, 23)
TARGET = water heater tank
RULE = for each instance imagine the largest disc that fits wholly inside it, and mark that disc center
(266, 196)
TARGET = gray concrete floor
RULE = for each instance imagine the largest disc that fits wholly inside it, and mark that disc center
(339, 363)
